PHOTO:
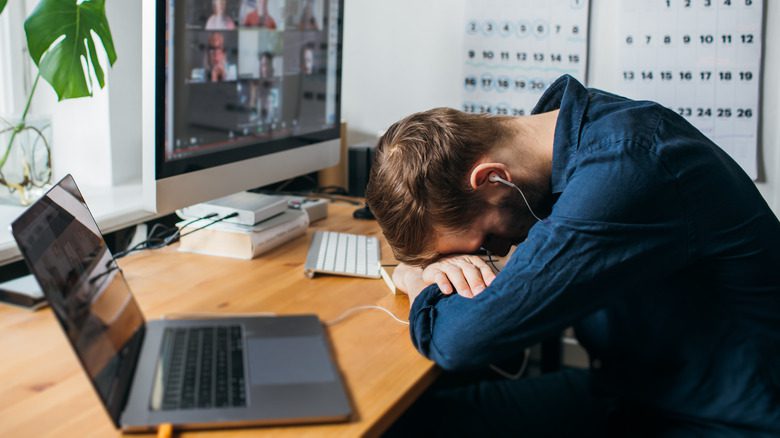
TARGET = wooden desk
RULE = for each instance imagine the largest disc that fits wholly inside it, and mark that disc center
(44, 391)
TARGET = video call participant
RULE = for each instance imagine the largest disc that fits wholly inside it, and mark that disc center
(218, 20)
(266, 65)
(268, 105)
(308, 21)
(216, 66)
(254, 13)
(630, 225)
(307, 59)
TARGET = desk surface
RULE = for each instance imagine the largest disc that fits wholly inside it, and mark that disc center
(45, 392)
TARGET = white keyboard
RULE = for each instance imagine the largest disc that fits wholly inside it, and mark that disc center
(343, 254)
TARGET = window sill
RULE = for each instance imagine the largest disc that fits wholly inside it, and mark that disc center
(113, 207)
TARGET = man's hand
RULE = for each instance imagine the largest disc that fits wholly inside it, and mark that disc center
(467, 274)
(408, 279)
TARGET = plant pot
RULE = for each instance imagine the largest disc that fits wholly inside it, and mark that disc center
(25, 163)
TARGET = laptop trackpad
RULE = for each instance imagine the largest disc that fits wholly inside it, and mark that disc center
(289, 360)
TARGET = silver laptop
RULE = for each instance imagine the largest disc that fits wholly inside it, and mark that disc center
(191, 373)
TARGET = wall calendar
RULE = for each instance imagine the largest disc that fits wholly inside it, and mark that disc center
(701, 58)
(514, 49)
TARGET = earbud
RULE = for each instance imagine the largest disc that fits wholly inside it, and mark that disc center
(497, 179)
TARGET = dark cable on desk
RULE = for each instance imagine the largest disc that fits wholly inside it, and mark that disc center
(170, 236)
(231, 215)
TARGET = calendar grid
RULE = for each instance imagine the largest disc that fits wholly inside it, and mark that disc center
(701, 58)
(514, 50)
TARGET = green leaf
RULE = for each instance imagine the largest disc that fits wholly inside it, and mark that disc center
(2, 5)
(61, 38)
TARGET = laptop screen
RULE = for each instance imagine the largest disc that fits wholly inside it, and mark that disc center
(66, 253)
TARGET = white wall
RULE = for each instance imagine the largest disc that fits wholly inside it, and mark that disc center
(400, 56)
(404, 56)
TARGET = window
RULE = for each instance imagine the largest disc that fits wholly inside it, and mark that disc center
(15, 65)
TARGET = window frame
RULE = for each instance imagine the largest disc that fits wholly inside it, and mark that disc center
(15, 73)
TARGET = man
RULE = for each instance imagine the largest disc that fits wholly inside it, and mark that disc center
(266, 71)
(217, 68)
(650, 241)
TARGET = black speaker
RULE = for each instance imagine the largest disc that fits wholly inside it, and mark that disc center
(360, 158)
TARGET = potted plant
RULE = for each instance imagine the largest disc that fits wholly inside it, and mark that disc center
(63, 37)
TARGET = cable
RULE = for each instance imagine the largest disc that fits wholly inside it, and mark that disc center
(231, 215)
(518, 374)
(347, 313)
(491, 262)
(170, 235)
(214, 315)
(498, 179)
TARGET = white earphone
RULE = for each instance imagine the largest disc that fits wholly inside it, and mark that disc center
(497, 179)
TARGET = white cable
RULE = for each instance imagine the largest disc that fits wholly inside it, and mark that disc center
(519, 373)
(347, 313)
(214, 315)
(498, 179)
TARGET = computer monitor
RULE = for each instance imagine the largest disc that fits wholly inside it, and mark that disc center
(237, 94)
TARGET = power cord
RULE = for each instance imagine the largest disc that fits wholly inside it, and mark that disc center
(344, 315)
(170, 235)
(351, 311)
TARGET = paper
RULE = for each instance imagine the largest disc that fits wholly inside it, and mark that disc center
(514, 50)
(700, 58)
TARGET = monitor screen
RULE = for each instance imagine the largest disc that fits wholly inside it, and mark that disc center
(244, 78)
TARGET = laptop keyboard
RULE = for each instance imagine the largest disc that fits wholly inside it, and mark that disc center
(203, 367)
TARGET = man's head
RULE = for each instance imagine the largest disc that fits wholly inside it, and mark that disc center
(216, 49)
(307, 59)
(266, 65)
(219, 7)
(430, 185)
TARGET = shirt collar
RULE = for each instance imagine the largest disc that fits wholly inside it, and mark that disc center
(571, 97)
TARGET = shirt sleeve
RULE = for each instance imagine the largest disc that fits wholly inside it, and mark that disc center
(614, 227)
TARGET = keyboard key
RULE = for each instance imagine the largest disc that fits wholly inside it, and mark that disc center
(330, 255)
(372, 256)
(351, 258)
(323, 250)
(361, 255)
(341, 253)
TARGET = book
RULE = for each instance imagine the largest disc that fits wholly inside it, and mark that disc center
(231, 240)
(23, 292)
(251, 208)
(386, 271)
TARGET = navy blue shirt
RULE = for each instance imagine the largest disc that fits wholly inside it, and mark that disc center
(662, 254)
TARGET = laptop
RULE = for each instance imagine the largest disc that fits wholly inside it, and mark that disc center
(207, 373)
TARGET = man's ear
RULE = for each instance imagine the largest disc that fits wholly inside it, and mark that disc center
(480, 174)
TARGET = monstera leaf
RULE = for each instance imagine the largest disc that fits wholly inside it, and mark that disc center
(2, 5)
(61, 38)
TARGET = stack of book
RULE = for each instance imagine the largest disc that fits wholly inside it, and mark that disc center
(242, 241)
